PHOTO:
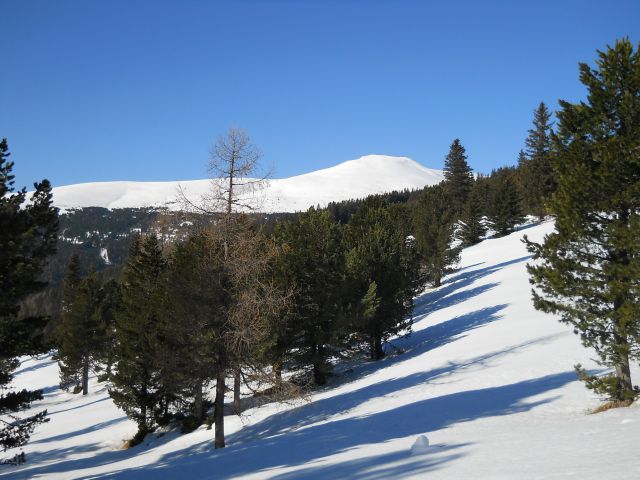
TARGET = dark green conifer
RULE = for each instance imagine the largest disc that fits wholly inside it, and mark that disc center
(536, 175)
(587, 270)
(28, 236)
(194, 329)
(312, 261)
(458, 176)
(79, 331)
(471, 224)
(136, 382)
(109, 302)
(505, 211)
(383, 273)
(434, 232)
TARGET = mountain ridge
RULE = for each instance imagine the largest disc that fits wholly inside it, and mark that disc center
(357, 178)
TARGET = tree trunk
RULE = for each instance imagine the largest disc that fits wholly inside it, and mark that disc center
(376, 348)
(237, 406)
(620, 333)
(277, 373)
(623, 372)
(197, 401)
(319, 377)
(219, 408)
(85, 375)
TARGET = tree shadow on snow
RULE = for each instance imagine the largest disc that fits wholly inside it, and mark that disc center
(82, 431)
(452, 293)
(34, 367)
(275, 442)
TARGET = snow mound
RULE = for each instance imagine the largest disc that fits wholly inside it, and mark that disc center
(358, 178)
(421, 445)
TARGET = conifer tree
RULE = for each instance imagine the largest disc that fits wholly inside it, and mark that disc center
(471, 226)
(79, 331)
(72, 279)
(136, 382)
(434, 231)
(108, 304)
(505, 211)
(536, 172)
(28, 235)
(587, 270)
(312, 260)
(383, 272)
(196, 322)
(458, 176)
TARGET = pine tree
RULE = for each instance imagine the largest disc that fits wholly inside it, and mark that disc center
(434, 232)
(28, 236)
(136, 382)
(588, 269)
(312, 260)
(195, 328)
(383, 274)
(79, 330)
(471, 225)
(458, 176)
(505, 211)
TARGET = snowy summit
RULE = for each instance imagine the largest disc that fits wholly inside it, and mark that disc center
(357, 178)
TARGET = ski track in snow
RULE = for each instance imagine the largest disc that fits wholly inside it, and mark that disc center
(484, 376)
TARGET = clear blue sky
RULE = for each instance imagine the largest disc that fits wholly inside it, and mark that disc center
(139, 90)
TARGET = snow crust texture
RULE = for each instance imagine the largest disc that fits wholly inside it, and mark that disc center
(485, 377)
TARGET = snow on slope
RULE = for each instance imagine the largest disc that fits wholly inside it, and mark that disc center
(352, 179)
(484, 376)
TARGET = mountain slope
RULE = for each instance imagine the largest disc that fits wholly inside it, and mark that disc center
(352, 179)
(487, 378)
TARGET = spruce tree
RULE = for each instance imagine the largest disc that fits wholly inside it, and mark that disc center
(587, 270)
(458, 176)
(28, 236)
(538, 175)
(136, 383)
(505, 211)
(471, 225)
(434, 232)
(383, 273)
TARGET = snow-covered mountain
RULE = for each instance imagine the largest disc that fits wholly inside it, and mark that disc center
(488, 379)
(358, 178)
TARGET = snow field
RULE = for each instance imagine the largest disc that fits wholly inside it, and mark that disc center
(485, 377)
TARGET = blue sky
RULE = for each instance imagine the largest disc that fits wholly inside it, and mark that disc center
(139, 90)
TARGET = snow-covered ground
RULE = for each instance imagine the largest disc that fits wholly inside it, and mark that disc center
(486, 378)
(358, 178)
